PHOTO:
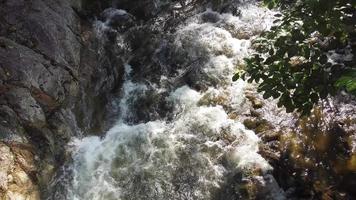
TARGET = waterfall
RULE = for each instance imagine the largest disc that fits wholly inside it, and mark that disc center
(199, 146)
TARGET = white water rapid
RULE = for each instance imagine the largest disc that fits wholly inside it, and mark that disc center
(197, 152)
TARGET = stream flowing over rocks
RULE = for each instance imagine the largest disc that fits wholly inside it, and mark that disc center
(134, 100)
(174, 137)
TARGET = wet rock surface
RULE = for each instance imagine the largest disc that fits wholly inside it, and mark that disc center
(313, 157)
(57, 79)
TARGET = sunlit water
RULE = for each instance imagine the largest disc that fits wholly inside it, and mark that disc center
(190, 155)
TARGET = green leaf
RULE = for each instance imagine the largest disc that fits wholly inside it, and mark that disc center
(236, 77)
(314, 97)
(267, 94)
(347, 81)
(306, 29)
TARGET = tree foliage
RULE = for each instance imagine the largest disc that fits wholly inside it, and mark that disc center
(307, 54)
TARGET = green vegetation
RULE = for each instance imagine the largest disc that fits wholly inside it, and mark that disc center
(292, 60)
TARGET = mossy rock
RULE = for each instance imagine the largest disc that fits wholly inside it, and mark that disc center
(251, 123)
(256, 103)
(263, 126)
(258, 125)
(271, 135)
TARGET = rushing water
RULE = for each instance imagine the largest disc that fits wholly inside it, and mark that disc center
(194, 153)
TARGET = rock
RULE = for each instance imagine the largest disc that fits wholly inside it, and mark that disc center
(26, 107)
(233, 9)
(273, 156)
(258, 125)
(56, 79)
(10, 126)
(256, 103)
(250, 123)
(263, 125)
(270, 135)
(210, 17)
(17, 172)
(6, 164)
(117, 18)
(254, 113)
(143, 9)
(269, 189)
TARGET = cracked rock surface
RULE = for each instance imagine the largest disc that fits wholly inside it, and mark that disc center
(54, 84)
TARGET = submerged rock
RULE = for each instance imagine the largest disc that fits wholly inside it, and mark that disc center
(117, 18)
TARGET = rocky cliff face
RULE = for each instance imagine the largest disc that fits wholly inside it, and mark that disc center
(60, 69)
(56, 79)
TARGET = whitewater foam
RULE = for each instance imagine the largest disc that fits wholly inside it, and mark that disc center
(190, 155)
